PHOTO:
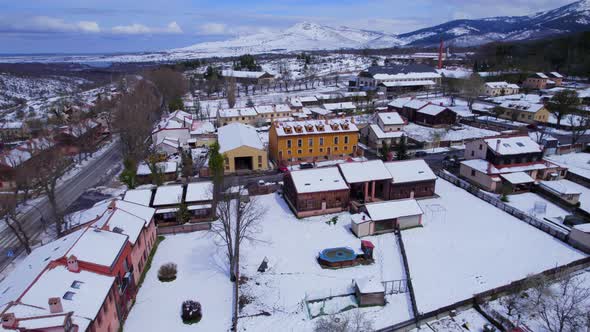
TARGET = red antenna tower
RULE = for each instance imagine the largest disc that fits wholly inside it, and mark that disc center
(440, 54)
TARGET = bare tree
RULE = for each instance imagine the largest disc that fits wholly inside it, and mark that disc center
(134, 117)
(562, 103)
(171, 84)
(472, 89)
(52, 166)
(578, 125)
(565, 307)
(238, 222)
(8, 211)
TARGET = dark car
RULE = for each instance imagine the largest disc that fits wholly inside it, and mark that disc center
(420, 154)
(306, 166)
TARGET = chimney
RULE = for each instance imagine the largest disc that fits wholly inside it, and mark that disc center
(112, 205)
(55, 306)
(73, 264)
(9, 321)
(364, 217)
(498, 145)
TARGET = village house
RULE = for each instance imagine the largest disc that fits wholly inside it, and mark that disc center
(12, 131)
(269, 113)
(21, 160)
(563, 190)
(435, 116)
(67, 285)
(242, 149)
(490, 161)
(343, 107)
(172, 132)
(388, 130)
(555, 78)
(199, 201)
(79, 137)
(202, 134)
(538, 81)
(385, 217)
(410, 109)
(298, 141)
(316, 191)
(393, 79)
(524, 111)
(168, 170)
(166, 201)
(494, 89)
(249, 77)
(243, 115)
(410, 179)
(139, 196)
(367, 180)
(318, 113)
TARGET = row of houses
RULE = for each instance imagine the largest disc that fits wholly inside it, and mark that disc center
(181, 129)
(423, 112)
(359, 186)
(393, 79)
(86, 280)
(71, 140)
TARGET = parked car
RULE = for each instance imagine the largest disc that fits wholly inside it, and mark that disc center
(420, 154)
(305, 165)
(283, 169)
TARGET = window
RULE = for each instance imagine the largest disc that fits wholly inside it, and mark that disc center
(480, 147)
(321, 141)
(289, 143)
(321, 150)
(299, 143)
(472, 153)
(289, 152)
(345, 139)
(310, 150)
(335, 148)
(299, 151)
(69, 295)
(310, 142)
(472, 172)
(76, 284)
(336, 140)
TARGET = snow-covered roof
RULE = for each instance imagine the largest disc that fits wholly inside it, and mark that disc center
(542, 75)
(202, 127)
(32, 265)
(513, 145)
(126, 223)
(556, 74)
(400, 102)
(295, 102)
(583, 227)
(237, 112)
(517, 178)
(313, 127)
(266, 109)
(235, 135)
(308, 99)
(340, 106)
(86, 299)
(199, 191)
(354, 94)
(317, 110)
(393, 209)
(390, 118)
(502, 85)
(523, 106)
(111, 244)
(416, 104)
(391, 84)
(369, 285)
(432, 109)
(414, 170)
(243, 74)
(166, 167)
(364, 171)
(561, 187)
(318, 180)
(168, 195)
(25, 151)
(380, 134)
(139, 196)
(488, 168)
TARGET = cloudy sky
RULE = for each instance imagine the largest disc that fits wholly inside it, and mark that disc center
(95, 26)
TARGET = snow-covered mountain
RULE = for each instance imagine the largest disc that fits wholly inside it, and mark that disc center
(310, 36)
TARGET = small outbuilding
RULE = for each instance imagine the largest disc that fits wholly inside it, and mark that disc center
(385, 217)
(369, 292)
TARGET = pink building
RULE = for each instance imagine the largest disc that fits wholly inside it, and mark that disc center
(86, 280)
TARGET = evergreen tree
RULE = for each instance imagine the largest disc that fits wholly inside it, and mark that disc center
(216, 168)
(183, 215)
(402, 149)
(384, 151)
(129, 174)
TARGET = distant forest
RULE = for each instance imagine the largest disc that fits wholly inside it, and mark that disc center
(566, 54)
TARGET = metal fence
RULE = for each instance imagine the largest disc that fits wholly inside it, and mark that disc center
(559, 231)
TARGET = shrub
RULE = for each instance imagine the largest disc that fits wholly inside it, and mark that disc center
(191, 312)
(504, 198)
(167, 272)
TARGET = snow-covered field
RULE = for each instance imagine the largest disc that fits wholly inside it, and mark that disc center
(467, 246)
(469, 318)
(473, 247)
(291, 247)
(526, 203)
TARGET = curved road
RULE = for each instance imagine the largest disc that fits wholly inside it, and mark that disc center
(67, 193)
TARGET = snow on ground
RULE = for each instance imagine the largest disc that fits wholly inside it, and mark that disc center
(426, 134)
(585, 194)
(526, 203)
(473, 247)
(469, 318)
(578, 163)
(291, 246)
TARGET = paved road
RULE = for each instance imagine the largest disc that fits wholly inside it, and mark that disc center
(67, 193)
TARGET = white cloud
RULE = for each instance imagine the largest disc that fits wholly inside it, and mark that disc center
(213, 29)
(221, 29)
(140, 29)
(47, 24)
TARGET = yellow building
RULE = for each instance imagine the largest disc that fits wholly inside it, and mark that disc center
(242, 149)
(523, 111)
(312, 140)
